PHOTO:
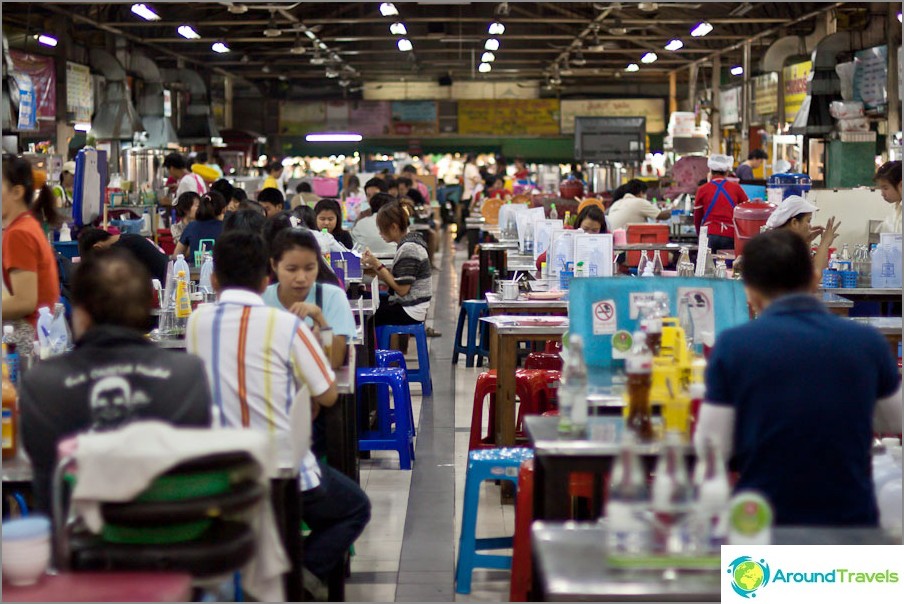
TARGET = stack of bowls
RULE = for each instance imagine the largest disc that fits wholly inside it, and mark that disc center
(26, 549)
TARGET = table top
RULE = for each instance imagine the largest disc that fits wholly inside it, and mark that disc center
(500, 246)
(864, 291)
(886, 325)
(545, 439)
(172, 343)
(632, 247)
(496, 301)
(572, 563)
(520, 325)
(104, 587)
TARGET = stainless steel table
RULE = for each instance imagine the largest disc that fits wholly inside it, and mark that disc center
(838, 305)
(571, 564)
(523, 306)
(17, 471)
(890, 327)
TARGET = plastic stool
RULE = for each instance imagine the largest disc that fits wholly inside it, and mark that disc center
(470, 279)
(553, 346)
(532, 386)
(384, 359)
(522, 565)
(489, 464)
(472, 310)
(543, 360)
(386, 439)
(422, 373)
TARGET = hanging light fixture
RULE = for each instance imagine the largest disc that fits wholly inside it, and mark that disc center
(188, 32)
(47, 40)
(485, 68)
(578, 59)
(145, 12)
(674, 45)
(496, 29)
(492, 44)
(650, 57)
(405, 44)
(701, 29)
(737, 70)
(633, 67)
(388, 9)
(398, 29)
(219, 47)
(488, 57)
(298, 47)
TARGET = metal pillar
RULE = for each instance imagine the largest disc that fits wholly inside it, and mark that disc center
(893, 39)
(715, 144)
(692, 87)
(745, 105)
(673, 92)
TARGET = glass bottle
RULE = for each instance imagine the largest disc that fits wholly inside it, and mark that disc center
(685, 266)
(627, 530)
(639, 372)
(651, 325)
(573, 390)
(553, 214)
(657, 264)
(712, 495)
(672, 496)
(686, 321)
(642, 266)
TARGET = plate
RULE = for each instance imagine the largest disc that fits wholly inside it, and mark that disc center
(545, 295)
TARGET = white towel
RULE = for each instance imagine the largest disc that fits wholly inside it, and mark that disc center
(116, 466)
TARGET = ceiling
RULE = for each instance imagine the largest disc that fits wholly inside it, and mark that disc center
(598, 39)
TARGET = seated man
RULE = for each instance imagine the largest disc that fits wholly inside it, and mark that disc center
(141, 248)
(114, 374)
(365, 232)
(256, 359)
(796, 395)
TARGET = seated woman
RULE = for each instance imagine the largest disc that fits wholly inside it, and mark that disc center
(795, 214)
(206, 225)
(329, 217)
(186, 208)
(590, 220)
(307, 288)
(409, 279)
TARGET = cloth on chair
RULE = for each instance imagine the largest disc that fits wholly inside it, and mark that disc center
(117, 466)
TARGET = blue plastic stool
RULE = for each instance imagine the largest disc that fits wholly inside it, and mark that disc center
(422, 373)
(386, 358)
(486, 464)
(471, 310)
(386, 438)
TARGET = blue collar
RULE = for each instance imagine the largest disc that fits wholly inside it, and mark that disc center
(795, 303)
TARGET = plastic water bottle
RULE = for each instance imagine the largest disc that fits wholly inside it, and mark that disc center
(180, 265)
(11, 355)
(65, 232)
(672, 496)
(45, 319)
(60, 336)
(573, 390)
(713, 495)
(204, 284)
(553, 214)
(628, 532)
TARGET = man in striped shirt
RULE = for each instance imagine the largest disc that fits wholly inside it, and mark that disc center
(256, 358)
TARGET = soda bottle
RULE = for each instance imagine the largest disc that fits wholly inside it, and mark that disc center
(639, 372)
(573, 390)
(10, 354)
(672, 496)
(553, 214)
(628, 533)
(657, 264)
(713, 494)
(10, 437)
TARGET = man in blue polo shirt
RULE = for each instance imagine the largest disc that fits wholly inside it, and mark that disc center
(796, 395)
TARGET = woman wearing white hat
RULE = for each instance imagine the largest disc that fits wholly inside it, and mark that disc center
(795, 214)
(63, 191)
(715, 201)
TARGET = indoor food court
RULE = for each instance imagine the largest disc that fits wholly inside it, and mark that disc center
(448, 301)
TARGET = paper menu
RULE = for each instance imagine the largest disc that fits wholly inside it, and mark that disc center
(543, 231)
(595, 251)
(531, 216)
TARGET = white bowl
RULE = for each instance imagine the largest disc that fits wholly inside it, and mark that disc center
(26, 566)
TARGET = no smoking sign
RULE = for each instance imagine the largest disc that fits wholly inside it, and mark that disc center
(604, 318)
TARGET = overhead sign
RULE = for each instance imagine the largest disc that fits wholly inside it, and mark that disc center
(765, 96)
(652, 109)
(730, 105)
(43, 76)
(871, 76)
(79, 93)
(414, 117)
(512, 117)
(795, 79)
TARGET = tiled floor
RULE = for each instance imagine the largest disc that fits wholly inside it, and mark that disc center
(408, 551)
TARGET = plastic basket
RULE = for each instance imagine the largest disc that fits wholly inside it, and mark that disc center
(325, 187)
(831, 278)
(849, 278)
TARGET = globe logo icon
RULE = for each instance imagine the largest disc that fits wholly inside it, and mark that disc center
(748, 575)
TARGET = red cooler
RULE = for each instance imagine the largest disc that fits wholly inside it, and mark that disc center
(749, 217)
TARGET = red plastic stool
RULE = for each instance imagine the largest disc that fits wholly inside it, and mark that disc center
(522, 566)
(470, 278)
(553, 346)
(533, 390)
(580, 484)
(543, 360)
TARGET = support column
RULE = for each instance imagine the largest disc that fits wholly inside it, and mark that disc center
(229, 88)
(745, 105)
(692, 86)
(893, 40)
(673, 92)
(715, 144)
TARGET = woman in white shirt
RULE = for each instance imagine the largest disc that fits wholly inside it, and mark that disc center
(470, 181)
(888, 178)
(631, 206)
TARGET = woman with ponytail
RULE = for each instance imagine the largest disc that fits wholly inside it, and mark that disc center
(30, 277)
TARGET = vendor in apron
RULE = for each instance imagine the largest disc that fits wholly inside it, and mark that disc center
(715, 201)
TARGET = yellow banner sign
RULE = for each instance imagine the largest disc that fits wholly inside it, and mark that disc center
(766, 94)
(795, 77)
(652, 109)
(515, 117)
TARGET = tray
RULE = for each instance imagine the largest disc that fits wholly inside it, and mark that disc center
(545, 295)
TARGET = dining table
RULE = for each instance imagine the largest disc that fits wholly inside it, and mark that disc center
(534, 303)
(104, 587)
(572, 564)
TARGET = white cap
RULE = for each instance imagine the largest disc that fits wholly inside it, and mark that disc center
(69, 166)
(720, 163)
(790, 207)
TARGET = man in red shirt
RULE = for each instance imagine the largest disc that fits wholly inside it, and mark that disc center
(715, 201)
